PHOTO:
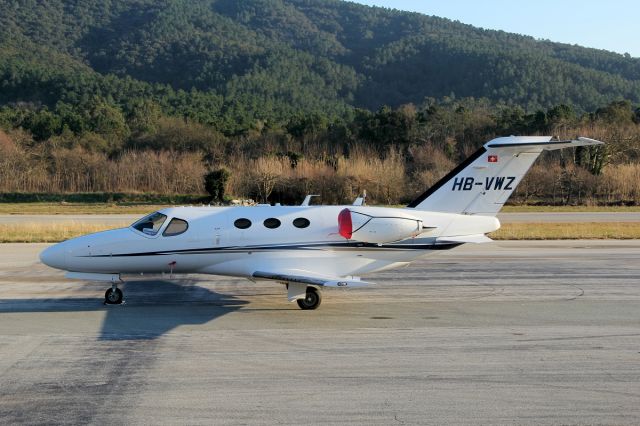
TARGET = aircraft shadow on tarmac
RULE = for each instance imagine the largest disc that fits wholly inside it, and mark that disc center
(151, 308)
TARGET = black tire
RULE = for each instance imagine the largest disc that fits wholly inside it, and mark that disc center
(113, 297)
(311, 300)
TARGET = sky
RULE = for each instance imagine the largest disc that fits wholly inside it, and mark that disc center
(612, 25)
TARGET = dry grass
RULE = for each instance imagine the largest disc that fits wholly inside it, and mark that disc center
(620, 182)
(77, 170)
(49, 233)
(568, 231)
(109, 208)
(77, 208)
(54, 232)
(569, 209)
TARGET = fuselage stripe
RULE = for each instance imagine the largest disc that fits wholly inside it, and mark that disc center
(321, 246)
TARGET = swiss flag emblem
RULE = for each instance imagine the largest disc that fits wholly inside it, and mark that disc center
(492, 158)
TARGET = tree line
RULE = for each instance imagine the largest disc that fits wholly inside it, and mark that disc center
(392, 153)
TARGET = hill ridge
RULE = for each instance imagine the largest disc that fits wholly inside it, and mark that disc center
(271, 59)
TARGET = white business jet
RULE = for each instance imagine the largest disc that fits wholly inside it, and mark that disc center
(310, 247)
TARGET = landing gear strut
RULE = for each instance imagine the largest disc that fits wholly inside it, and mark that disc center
(311, 299)
(113, 296)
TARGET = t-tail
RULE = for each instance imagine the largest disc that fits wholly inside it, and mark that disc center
(483, 182)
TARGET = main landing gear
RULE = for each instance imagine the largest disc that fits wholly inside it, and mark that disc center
(113, 296)
(312, 299)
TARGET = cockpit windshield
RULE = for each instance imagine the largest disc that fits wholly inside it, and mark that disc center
(151, 224)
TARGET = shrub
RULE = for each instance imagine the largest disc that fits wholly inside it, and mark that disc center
(215, 182)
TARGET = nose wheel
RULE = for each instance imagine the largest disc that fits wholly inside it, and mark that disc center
(113, 296)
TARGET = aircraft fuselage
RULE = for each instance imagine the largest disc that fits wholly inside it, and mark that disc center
(304, 239)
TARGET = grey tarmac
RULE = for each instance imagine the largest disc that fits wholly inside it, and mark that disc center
(504, 333)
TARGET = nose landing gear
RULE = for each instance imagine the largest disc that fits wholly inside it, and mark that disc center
(113, 296)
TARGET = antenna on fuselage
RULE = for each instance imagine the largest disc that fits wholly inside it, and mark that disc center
(361, 200)
(307, 199)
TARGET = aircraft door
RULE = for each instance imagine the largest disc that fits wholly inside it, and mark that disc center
(220, 230)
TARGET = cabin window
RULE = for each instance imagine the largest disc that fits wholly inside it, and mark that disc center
(242, 223)
(271, 223)
(175, 227)
(151, 224)
(301, 222)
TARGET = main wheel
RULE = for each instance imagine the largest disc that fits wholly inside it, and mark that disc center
(113, 296)
(311, 299)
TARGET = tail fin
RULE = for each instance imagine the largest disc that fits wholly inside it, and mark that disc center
(484, 181)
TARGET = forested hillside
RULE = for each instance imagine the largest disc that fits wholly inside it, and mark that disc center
(96, 88)
(241, 60)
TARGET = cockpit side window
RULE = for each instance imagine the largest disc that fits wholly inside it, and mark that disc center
(151, 224)
(175, 227)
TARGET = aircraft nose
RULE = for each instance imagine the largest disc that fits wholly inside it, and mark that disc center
(54, 256)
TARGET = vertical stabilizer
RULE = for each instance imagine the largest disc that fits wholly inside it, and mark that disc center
(484, 181)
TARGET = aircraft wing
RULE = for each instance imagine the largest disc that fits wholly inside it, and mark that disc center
(302, 279)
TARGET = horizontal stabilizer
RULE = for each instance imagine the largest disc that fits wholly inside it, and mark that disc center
(543, 142)
(318, 281)
(478, 239)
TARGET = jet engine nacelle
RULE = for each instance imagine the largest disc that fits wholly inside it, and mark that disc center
(377, 229)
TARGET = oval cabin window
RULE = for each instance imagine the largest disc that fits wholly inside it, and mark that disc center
(175, 227)
(271, 223)
(301, 222)
(242, 223)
